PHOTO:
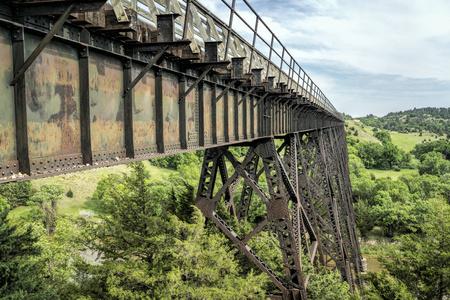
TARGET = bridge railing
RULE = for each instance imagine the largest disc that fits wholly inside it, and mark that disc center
(201, 26)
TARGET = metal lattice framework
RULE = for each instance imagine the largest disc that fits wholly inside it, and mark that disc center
(308, 203)
(90, 83)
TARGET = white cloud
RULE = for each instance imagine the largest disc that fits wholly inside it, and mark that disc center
(367, 56)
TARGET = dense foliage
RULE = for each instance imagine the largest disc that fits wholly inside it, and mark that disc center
(435, 120)
(152, 243)
(21, 277)
(385, 156)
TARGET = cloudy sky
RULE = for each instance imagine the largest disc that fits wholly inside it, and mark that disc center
(368, 57)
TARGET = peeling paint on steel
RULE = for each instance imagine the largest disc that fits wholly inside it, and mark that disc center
(207, 119)
(144, 111)
(248, 117)
(231, 116)
(53, 103)
(7, 127)
(170, 110)
(220, 117)
(106, 102)
(192, 130)
(240, 122)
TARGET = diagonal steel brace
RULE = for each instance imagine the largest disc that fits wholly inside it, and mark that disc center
(144, 71)
(43, 43)
(261, 99)
(225, 90)
(200, 78)
(246, 95)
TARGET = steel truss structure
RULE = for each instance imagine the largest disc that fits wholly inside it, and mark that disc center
(90, 83)
(308, 203)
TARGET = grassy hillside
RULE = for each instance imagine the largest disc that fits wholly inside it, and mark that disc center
(404, 141)
(83, 185)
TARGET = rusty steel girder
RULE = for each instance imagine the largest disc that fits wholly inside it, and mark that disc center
(86, 84)
(307, 199)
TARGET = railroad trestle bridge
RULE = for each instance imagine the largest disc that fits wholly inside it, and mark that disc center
(86, 84)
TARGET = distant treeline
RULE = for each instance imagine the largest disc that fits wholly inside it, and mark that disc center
(431, 119)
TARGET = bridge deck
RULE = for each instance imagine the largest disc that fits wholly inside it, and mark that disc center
(71, 109)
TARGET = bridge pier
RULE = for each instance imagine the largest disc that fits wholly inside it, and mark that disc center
(307, 200)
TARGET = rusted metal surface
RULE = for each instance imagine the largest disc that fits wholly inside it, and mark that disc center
(230, 113)
(53, 103)
(240, 109)
(107, 108)
(8, 158)
(170, 112)
(84, 69)
(308, 209)
(144, 130)
(192, 119)
(72, 101)
(207, 105)
(220, 117)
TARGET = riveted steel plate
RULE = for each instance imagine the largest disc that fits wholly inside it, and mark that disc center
(219, 117)
(231, 115)
(144, 131)
(171, 112)
(53, 101)
(207, 119)
(8, 159)
(191, 118)
(240, 122)
(248, 117)
(107, 107)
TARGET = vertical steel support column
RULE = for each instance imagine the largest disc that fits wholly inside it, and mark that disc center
(182, 111)
(128, 108)
(244, 114)
(226, 133)
(85, 108)
(340, 151)
(236, 116)
(247, 191)
(201, 111)
(20, 100)
(159, 110)
(278, 212)
(252, 117)
(335, 215)
(214, 114)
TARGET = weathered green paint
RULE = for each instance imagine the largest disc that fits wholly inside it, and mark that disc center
(53, 103)
(231, 115)
(144, 132)
(240, 109)
(207, 105)
(7, 125)
(107, 107)
(220, 117)
(191, 118)
(171, 111)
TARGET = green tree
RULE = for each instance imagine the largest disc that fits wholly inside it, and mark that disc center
(46, 200)
(381, 286)
(392, 154)
(434, 164)
(150, 253)
(17, 193)
(20, 276)
(423, 262)
(365, 217)
(383, 136)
